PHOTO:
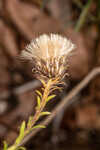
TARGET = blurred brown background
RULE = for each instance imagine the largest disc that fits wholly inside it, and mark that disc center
(21, 21)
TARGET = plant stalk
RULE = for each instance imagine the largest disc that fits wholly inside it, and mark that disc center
(83, 16)
(37, 114)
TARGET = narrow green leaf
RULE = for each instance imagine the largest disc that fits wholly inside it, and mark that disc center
(42, 89)
(38, 101)
(50, 97)
(45, 113)
(38, 126)
(21, 134)
(21, 148)
(83, 16)
(5, 145)
(56, 88)
(39, 93)
(29, 121)
(43, 82)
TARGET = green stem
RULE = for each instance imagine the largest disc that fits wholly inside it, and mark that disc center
(37, 114)
(43, 103)
(83, 16)
(90, 16)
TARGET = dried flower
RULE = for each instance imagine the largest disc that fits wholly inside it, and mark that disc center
(48, 55)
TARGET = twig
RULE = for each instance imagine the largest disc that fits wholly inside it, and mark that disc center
(68, 100)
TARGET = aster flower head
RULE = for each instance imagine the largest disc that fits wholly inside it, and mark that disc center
(48, 54)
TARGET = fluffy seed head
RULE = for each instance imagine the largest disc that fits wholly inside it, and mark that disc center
(48, 54)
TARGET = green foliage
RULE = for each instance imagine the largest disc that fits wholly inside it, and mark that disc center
(45, 113)
(83, 16)
(21, 134)
(43, 82)
(50, 97)
(5, 145)
(42, 99)
(38, 126)
(21, 148)
(39, 93)
(38, 101)
(42, 89)
(29, 121)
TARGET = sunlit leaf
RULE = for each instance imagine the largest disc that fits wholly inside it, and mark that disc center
(21, 148)
(29, 121)
(43, 82)
(50, 97)
(56, 88)
(38, 126)
(45, 113)
(21, 134)
(39, 93)
(5, 145)
(38, 101)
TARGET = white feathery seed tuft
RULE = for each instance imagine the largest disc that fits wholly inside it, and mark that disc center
(50, 53)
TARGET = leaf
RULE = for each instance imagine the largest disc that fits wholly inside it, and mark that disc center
(45, 113)
(38, 126)
(50, 97)
(43, 82)
(38, 101)
(29, 121)
(21, 134)
(42, 89)
(56, 88)
(21, 148)
(5, 145)
(39, 93)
